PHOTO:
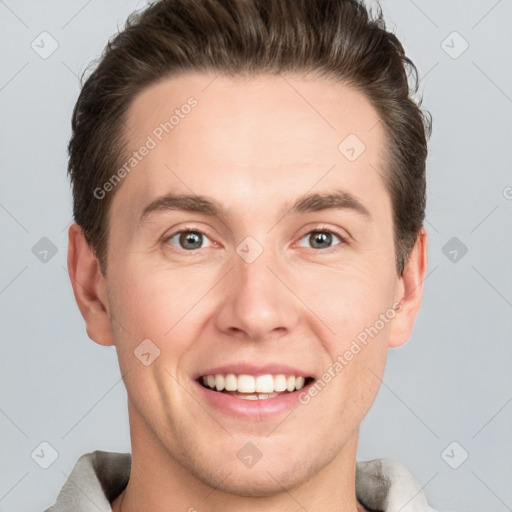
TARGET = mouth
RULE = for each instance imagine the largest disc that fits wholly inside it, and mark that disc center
(250, 387)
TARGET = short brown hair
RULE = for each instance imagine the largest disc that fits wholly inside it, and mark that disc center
(337, 39)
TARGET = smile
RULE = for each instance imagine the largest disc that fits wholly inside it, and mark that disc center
(249, 387)
(255, 392)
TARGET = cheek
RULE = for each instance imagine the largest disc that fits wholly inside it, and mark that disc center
(351, 299)
(352, 378)
(150, 302)
(151, 335)
(146, 312)
(170, 308)
(361, 381)
(357, 306)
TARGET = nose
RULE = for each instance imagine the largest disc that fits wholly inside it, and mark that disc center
(257, 302)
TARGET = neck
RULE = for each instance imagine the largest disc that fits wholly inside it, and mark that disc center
(159, 482)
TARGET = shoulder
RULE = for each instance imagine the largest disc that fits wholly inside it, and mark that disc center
(386, 485)
(98, 477)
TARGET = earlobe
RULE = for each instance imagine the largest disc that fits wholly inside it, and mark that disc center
(89, 287)
(410, 292)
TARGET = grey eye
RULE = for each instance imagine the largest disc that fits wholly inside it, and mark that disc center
(320, 239)
(189, 240)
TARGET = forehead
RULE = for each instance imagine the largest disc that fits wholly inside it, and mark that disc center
(253, 136)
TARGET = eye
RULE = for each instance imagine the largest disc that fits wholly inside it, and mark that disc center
(321, 238)
(188, 239)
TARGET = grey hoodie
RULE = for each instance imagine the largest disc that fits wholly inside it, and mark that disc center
(382, 485)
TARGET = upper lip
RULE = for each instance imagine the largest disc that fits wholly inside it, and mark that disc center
(255, 370)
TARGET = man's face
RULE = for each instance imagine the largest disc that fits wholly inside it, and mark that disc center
(260, 287)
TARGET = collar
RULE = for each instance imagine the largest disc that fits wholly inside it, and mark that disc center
(382, 485)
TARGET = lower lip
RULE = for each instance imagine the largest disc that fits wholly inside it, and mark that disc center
(251, 409)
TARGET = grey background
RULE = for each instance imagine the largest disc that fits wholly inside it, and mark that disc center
(451, 383)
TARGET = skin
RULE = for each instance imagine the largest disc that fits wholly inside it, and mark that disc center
(254, 146)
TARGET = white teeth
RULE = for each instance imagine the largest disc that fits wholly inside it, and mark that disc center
(246, 384)
(231, 382)
(265, 384)
(219, 382)
(262, 386)
(257, 396)
(247, 397)
(280, 383)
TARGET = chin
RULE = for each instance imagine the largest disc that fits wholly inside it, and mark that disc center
(261, 482)
(265, 478)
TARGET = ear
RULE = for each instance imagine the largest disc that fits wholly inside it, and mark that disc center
(409, 292)
(89, 287)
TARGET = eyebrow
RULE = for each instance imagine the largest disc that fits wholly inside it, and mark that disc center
(337, 199)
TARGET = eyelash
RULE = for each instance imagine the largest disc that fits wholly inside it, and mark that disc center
(326, 229)
(317, 229)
